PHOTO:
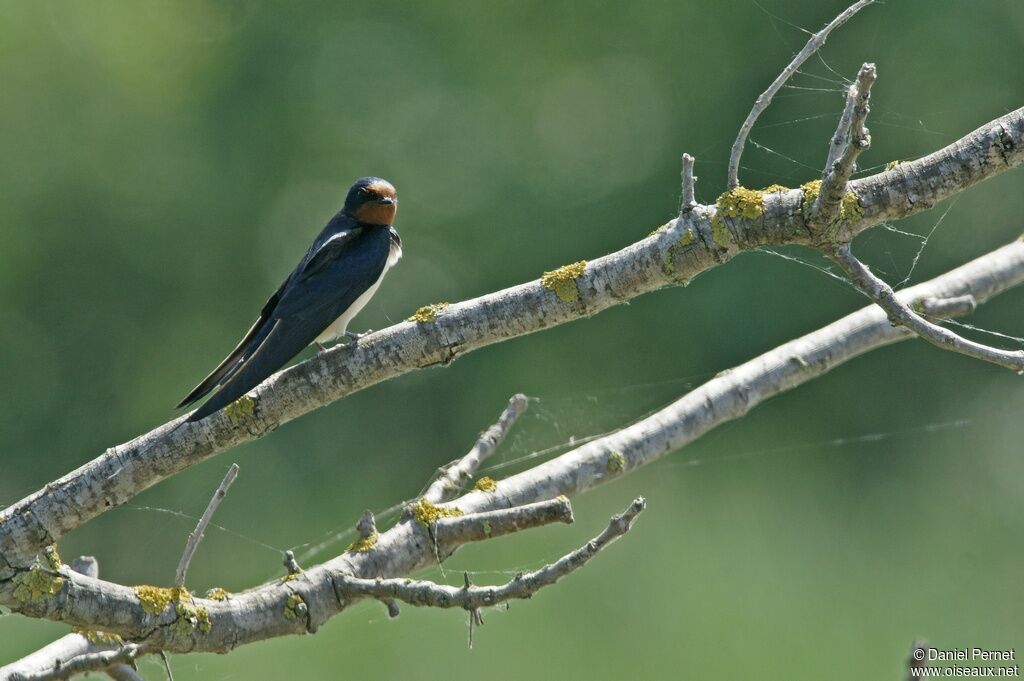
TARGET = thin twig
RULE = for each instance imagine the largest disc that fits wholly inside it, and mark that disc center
(425, 593)
(762, 102)
(688, 200)
(167, 665)
(197, 534)
(901, 314)
(850, 139)
(450, 479)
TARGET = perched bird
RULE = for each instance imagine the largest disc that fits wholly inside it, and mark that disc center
(331, 284)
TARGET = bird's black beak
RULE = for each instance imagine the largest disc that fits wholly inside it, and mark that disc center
(386, 200)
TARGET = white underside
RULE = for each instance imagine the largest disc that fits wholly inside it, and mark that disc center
(338, 327)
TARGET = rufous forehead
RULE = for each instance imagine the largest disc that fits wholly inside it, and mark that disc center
(381, 188)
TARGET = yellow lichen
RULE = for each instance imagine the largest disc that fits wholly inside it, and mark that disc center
(191, 617)
(849, 207)
(811, 191)
(773, 188)
(486, 484)
(739, 202)
(291, 608)
(616, 462)
(427, 513)
(563, 281)
(240, 408)
(892, 164)
(155, 599)
(363, 544)
(99, 638)
(291, 577)
(52, 557)
(36, 584)
(218, 594)
(428, 313)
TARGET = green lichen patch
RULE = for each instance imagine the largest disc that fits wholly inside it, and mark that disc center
(240, 408)
(363, 544)
(849, 207)
(737, 203)
(487, 527)
(616, 462)
(563, 281)
(36, 584)
(428, 313)
(426, 513)
(486, 484)
(741, 202)
(218, 594)
(99, 638)
(811, 191)
(155, 599)
(190, 616)
(295, 607)
(52, 557)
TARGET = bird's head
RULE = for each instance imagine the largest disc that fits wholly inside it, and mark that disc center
(372, 201)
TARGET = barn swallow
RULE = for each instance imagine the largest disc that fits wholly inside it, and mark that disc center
(331, 284)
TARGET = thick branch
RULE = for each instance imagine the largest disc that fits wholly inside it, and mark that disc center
(450, 479)
(762, 102)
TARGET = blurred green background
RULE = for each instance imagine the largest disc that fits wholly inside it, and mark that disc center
(166, 163)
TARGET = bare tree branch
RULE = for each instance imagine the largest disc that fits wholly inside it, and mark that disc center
(451, 478)
(426, 593)
(53, 657)
(459, 530)
(850, 140)
(688, 201)
(670, 255)
(762, 102)
(197, 534)
(89, 662)
(901, 313)
(301, 603)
